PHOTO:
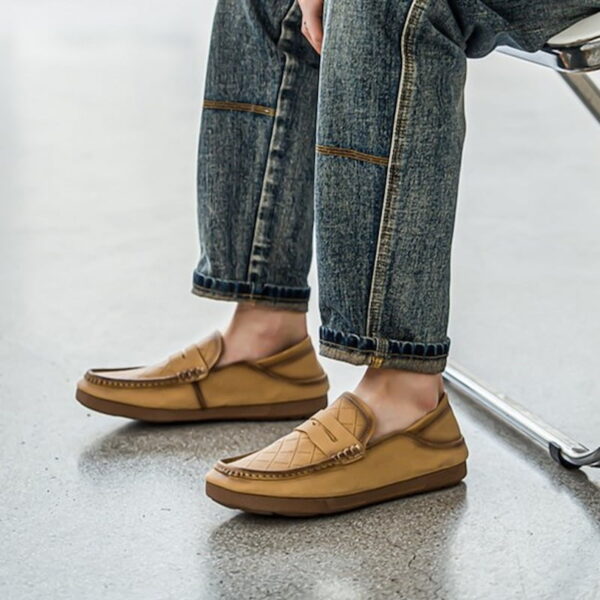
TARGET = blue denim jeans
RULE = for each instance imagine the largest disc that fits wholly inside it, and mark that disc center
(364, 141)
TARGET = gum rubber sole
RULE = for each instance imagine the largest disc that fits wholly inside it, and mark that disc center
(311, 507)
(275, 411)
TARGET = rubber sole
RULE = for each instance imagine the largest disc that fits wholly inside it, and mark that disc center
(275, 411)
(311, 507)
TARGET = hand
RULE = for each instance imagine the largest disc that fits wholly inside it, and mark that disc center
(312, 22)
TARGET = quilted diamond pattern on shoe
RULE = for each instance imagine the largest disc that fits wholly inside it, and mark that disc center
(428, 455)
(352, 416)
(333, 433)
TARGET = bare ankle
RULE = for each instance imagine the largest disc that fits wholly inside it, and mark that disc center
(399, 398)
(257, 331)
(271, 323)
(404, 386)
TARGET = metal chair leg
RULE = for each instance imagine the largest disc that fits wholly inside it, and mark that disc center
(585, 89)
(562, 449)
(570, 63)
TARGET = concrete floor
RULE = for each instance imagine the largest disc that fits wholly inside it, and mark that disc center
(99, 107)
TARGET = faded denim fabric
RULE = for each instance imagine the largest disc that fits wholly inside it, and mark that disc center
(366, 141)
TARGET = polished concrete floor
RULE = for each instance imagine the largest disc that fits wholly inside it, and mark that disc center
(99, 107)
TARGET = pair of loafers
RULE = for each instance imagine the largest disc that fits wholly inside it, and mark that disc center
(327, 464)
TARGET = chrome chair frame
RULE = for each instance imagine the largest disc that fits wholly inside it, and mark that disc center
(572, 63)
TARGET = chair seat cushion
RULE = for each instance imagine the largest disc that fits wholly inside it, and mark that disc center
(583, 31)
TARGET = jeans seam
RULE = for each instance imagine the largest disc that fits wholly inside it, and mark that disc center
(257, 255)
(382, 252)
(353, 154)
(239, 106)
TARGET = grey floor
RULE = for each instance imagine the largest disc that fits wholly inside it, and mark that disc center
(99, 107)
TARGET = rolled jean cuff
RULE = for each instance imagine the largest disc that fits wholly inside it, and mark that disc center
(265, 294)
(421, 357)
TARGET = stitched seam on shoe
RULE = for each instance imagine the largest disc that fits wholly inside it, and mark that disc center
(368, 431)
(185, 377)
(299, 381)
(353, 154)
(382, 487)
(128, 383)
(414, 435)
(239, 106)
(338, 459)
(428, 423)
(331, 462)
(199, 394)
(432, 444)
(293, 357)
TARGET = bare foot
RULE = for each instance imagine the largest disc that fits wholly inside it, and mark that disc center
(258, 331)
(398, 398)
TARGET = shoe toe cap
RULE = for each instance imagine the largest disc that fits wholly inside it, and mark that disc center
(227, 482)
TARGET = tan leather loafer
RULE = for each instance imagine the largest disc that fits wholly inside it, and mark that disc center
(189, 387)
(328, 463)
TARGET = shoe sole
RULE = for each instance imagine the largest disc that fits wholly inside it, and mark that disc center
(275, 411)
(311, 507)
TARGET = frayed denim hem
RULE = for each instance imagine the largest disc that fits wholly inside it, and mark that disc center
(360, 350)
(275, 296)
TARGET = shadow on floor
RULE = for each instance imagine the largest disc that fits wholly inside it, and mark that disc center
(400, 545)
(576, 483)
(203, 443)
